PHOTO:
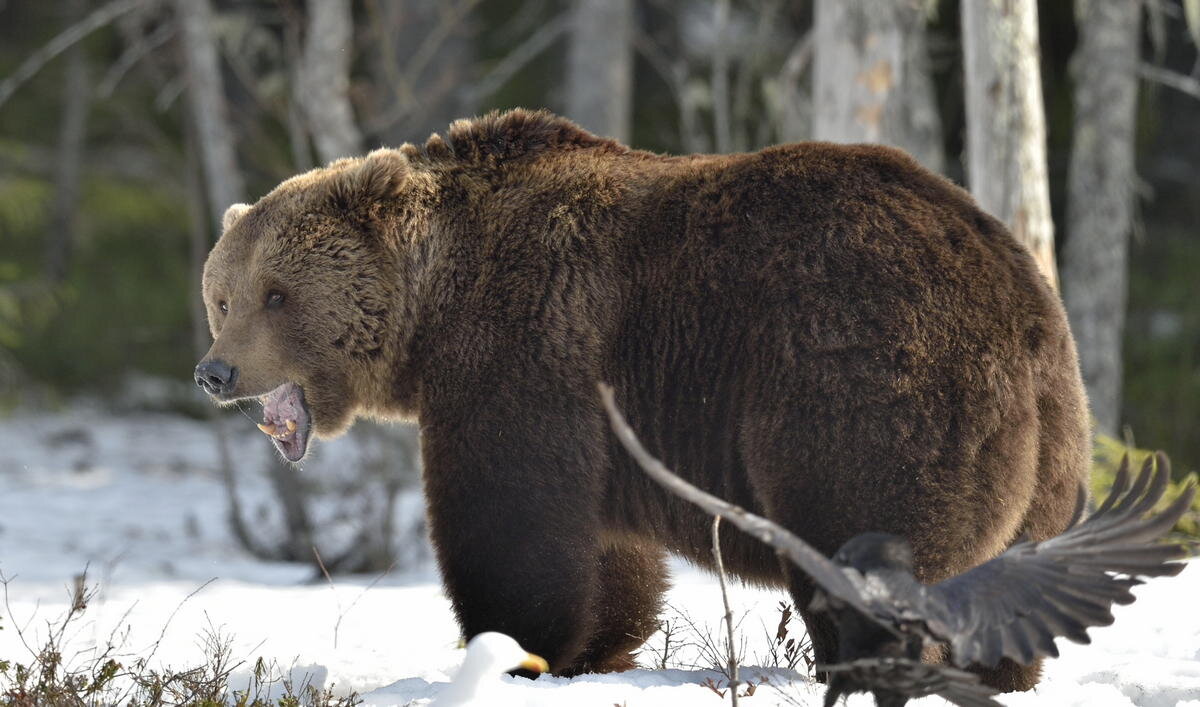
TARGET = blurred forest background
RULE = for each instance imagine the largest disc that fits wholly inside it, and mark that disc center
(127, 127)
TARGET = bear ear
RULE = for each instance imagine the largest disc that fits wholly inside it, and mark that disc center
(232, 215)
(358, 187)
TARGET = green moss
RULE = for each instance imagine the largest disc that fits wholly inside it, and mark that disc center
(124, 303)
(1106, 459)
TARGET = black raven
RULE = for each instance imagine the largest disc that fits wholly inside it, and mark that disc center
(1012, 606)
(895, 681)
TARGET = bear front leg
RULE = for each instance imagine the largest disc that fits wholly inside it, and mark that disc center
(513, 502)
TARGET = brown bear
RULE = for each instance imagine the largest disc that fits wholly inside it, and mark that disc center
(829, 335)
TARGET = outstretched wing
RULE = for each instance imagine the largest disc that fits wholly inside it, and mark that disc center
(910, 678)
(1015, 605)
(849, 588)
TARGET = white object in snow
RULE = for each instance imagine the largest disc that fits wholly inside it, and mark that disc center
(478, 683)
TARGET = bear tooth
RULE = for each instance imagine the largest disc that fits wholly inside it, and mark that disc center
(268, 429)
(291, 425)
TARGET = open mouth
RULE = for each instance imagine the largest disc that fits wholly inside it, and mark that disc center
(286, 420)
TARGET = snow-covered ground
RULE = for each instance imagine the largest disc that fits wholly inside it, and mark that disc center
(138, 501)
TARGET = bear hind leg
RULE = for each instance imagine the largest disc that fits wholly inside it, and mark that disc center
(822, 632)
(633, 578)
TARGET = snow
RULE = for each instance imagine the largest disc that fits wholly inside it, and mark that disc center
(137, 500)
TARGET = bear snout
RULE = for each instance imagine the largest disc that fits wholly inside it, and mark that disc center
(216, 377)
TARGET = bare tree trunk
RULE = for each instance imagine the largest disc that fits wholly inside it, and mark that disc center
(1100, 195)
(871, 77)
(298, 139)
(223, 187)
(198, 244)
(325, 80)
(600, 67)
(1006, 128)
(68, 169)
(206, 100)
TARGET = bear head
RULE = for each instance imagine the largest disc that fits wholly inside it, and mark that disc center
(303, 302)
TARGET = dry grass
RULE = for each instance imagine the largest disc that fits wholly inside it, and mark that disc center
(53, 676)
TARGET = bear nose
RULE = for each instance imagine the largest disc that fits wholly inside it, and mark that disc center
(216, 377)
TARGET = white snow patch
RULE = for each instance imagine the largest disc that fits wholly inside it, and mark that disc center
(137, 500)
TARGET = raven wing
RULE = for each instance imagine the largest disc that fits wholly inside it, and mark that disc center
(1015, 605)
(910, 678)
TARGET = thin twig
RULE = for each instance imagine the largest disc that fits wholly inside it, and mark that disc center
(63, 41)
(675, 80)
(798, 59)
(1171, 79)
(131, 56)
(524, 53)
(8, 610)
(450, 21)
(730, 654)
(405, 102)
(720, 78)
(325, 571)
(163, 633)
(337, 625)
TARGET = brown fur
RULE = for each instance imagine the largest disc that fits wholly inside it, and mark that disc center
(829, 335)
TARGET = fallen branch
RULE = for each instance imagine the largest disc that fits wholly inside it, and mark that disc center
(782, 540)
(63, 41)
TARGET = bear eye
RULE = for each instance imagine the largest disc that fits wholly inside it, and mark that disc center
(223, 306)
(274, 299)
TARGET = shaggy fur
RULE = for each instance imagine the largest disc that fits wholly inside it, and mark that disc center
(828, 335)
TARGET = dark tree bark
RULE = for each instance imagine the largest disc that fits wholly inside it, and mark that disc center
(600, 67)
(871, 77)
(68, 170)
(1006, 128)
(1100, 195)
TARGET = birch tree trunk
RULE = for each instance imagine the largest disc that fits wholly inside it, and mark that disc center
(600, 67)
(199, 241)
(1100, 195)
(223, 186)
(325, 79)
(68, 167)
(1006, 128)
(871, 77)
(207, 108)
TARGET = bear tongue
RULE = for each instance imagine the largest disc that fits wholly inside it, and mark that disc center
(280, 411)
